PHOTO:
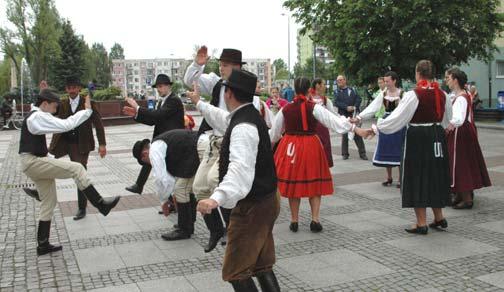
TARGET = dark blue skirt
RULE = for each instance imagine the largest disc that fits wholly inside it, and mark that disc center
(389, 149)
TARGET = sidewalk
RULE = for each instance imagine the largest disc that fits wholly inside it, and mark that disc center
(362, 248)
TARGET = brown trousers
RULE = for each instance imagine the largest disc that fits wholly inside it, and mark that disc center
(82, 158)
(250, 246)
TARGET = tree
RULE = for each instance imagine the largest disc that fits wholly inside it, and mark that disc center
(36, 27)
(281, 72)
(116, 52)
(5, 73)
(369, 37)
(212, 66)
(322, 70)
(71, 62)
(100, 65)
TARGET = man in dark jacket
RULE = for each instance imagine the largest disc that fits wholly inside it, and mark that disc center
(348, 102)
(167, 115)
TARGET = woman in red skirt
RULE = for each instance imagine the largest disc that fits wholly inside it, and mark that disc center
(467, 165)
(300, 160)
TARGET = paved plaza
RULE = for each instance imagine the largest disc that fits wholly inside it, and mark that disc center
(363, 246)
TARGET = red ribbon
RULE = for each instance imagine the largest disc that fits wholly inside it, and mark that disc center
(302, 99)
(425, 84)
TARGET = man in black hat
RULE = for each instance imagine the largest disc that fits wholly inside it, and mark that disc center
(78, 142)
(168, 115)
(43, 170)
(174, 160)
(247, 185)
(210, 138)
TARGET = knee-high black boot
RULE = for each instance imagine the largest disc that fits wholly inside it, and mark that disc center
(268, 281)
(104, 205)
(246, 285)
(185, 223)
(43, 245)
(214, 225)
(141, 180)
(82, 204)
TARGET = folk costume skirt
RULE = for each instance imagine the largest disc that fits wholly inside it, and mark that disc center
(389, 149)
(302, 168)
(467, 166)
(425, 175)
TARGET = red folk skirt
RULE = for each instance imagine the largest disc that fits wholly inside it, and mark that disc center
(302, 168)
(467, 166)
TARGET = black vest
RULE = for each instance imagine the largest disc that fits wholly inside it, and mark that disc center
(181, 154)
(29, 143)
(265, 179)
(215, 102)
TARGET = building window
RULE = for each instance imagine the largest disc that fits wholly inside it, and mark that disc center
(500, 69)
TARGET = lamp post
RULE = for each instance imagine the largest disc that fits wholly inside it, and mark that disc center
(288, 46)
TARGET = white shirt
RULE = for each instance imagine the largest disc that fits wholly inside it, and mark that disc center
(459, 109)
(206, 84)
(164, 181)
(328, 105)
(243, 148)
(405, 111)
(74, 103)
(40, 123)
(370, 111)
(334, 122)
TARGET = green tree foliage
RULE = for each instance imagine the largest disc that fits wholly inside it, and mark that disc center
(280, 69)
(212, 66)
(99, 65)
(5, 73)
(369, 37)
(116, 52)
(322, 70)
(36, 29)
(71, 62)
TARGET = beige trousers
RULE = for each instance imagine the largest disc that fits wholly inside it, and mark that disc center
(207, 175)
(43, 171)
(183, 187)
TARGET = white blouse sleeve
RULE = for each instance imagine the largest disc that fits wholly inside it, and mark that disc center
(371, 109)
(336, 123)
(277, 128)
(400, 116)
(329, 105)
(459, 111)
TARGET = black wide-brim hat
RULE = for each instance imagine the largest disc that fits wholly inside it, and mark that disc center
(232, 56)
(137, 150)
(243, 81)
(48, 95)
(162, 79)
(73, 81)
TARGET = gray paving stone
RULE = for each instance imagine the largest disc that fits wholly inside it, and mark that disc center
(495, 226)
(373, 190)
(120, 288)
(98, 259)
(179, 284)
(441, 246)
(495, 279)
(140, 253)
(367, 220)
(209, 281)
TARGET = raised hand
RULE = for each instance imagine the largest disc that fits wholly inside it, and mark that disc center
(195, 94)
(131, 102)
(43, 85)
(87, 102)
(129, 111)
(202, 55)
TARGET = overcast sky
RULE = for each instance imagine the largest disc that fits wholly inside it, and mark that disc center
(164, 29)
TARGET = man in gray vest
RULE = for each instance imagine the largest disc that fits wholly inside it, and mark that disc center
(174, 160)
